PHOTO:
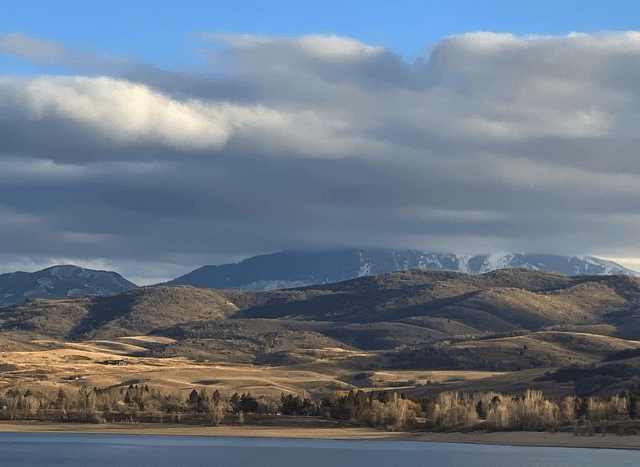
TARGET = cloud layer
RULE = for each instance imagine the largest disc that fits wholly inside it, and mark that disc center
(493, 142)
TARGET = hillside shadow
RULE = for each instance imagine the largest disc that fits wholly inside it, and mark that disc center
(626, 322)
(364, 339)
(341, 306)
(350, 307)
(102, 310)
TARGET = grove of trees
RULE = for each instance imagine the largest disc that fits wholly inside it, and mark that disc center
(384, 409)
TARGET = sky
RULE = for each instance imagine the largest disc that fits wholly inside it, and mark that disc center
(154, 138)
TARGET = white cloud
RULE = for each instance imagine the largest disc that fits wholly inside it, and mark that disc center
(324, 47)
(334, 47)
(126, 112)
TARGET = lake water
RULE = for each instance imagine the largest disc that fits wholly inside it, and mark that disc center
(86, 450)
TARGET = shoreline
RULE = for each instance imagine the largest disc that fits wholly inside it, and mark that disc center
(503, 438)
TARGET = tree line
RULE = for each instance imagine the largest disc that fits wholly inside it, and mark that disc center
(384, 409)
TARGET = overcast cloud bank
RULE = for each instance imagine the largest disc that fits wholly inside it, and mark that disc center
(492, 143)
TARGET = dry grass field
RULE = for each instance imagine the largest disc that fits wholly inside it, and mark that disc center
(108, 364)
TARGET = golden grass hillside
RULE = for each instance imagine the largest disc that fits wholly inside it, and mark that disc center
(513, 322)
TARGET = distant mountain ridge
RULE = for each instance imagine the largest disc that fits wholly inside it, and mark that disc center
(303, 268)
(293, 269)
(59, 282)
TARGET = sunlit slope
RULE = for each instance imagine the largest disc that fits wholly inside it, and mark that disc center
(138, 311)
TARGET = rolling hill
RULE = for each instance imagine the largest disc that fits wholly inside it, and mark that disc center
(373, 312)
(400, 323)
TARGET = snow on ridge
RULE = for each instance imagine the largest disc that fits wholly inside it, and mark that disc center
(599, 263)
(497, 261)
(365, 269)
(590, 261)
(463, 262)
(395, 261)
(605, 267)
(429, 258)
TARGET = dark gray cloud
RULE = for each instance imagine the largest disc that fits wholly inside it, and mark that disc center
(493, 143)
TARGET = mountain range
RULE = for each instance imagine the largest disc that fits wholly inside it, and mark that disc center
(302, 268)
(291, 269)
(58, 282)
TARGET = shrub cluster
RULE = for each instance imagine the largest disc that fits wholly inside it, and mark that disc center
(385, 409)
(622, 355)
(574, 373)
(587, 381)
(533, 411)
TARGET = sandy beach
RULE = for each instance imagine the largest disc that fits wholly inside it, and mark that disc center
(513, 438)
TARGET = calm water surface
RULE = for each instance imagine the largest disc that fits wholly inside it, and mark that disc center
(75, 450)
